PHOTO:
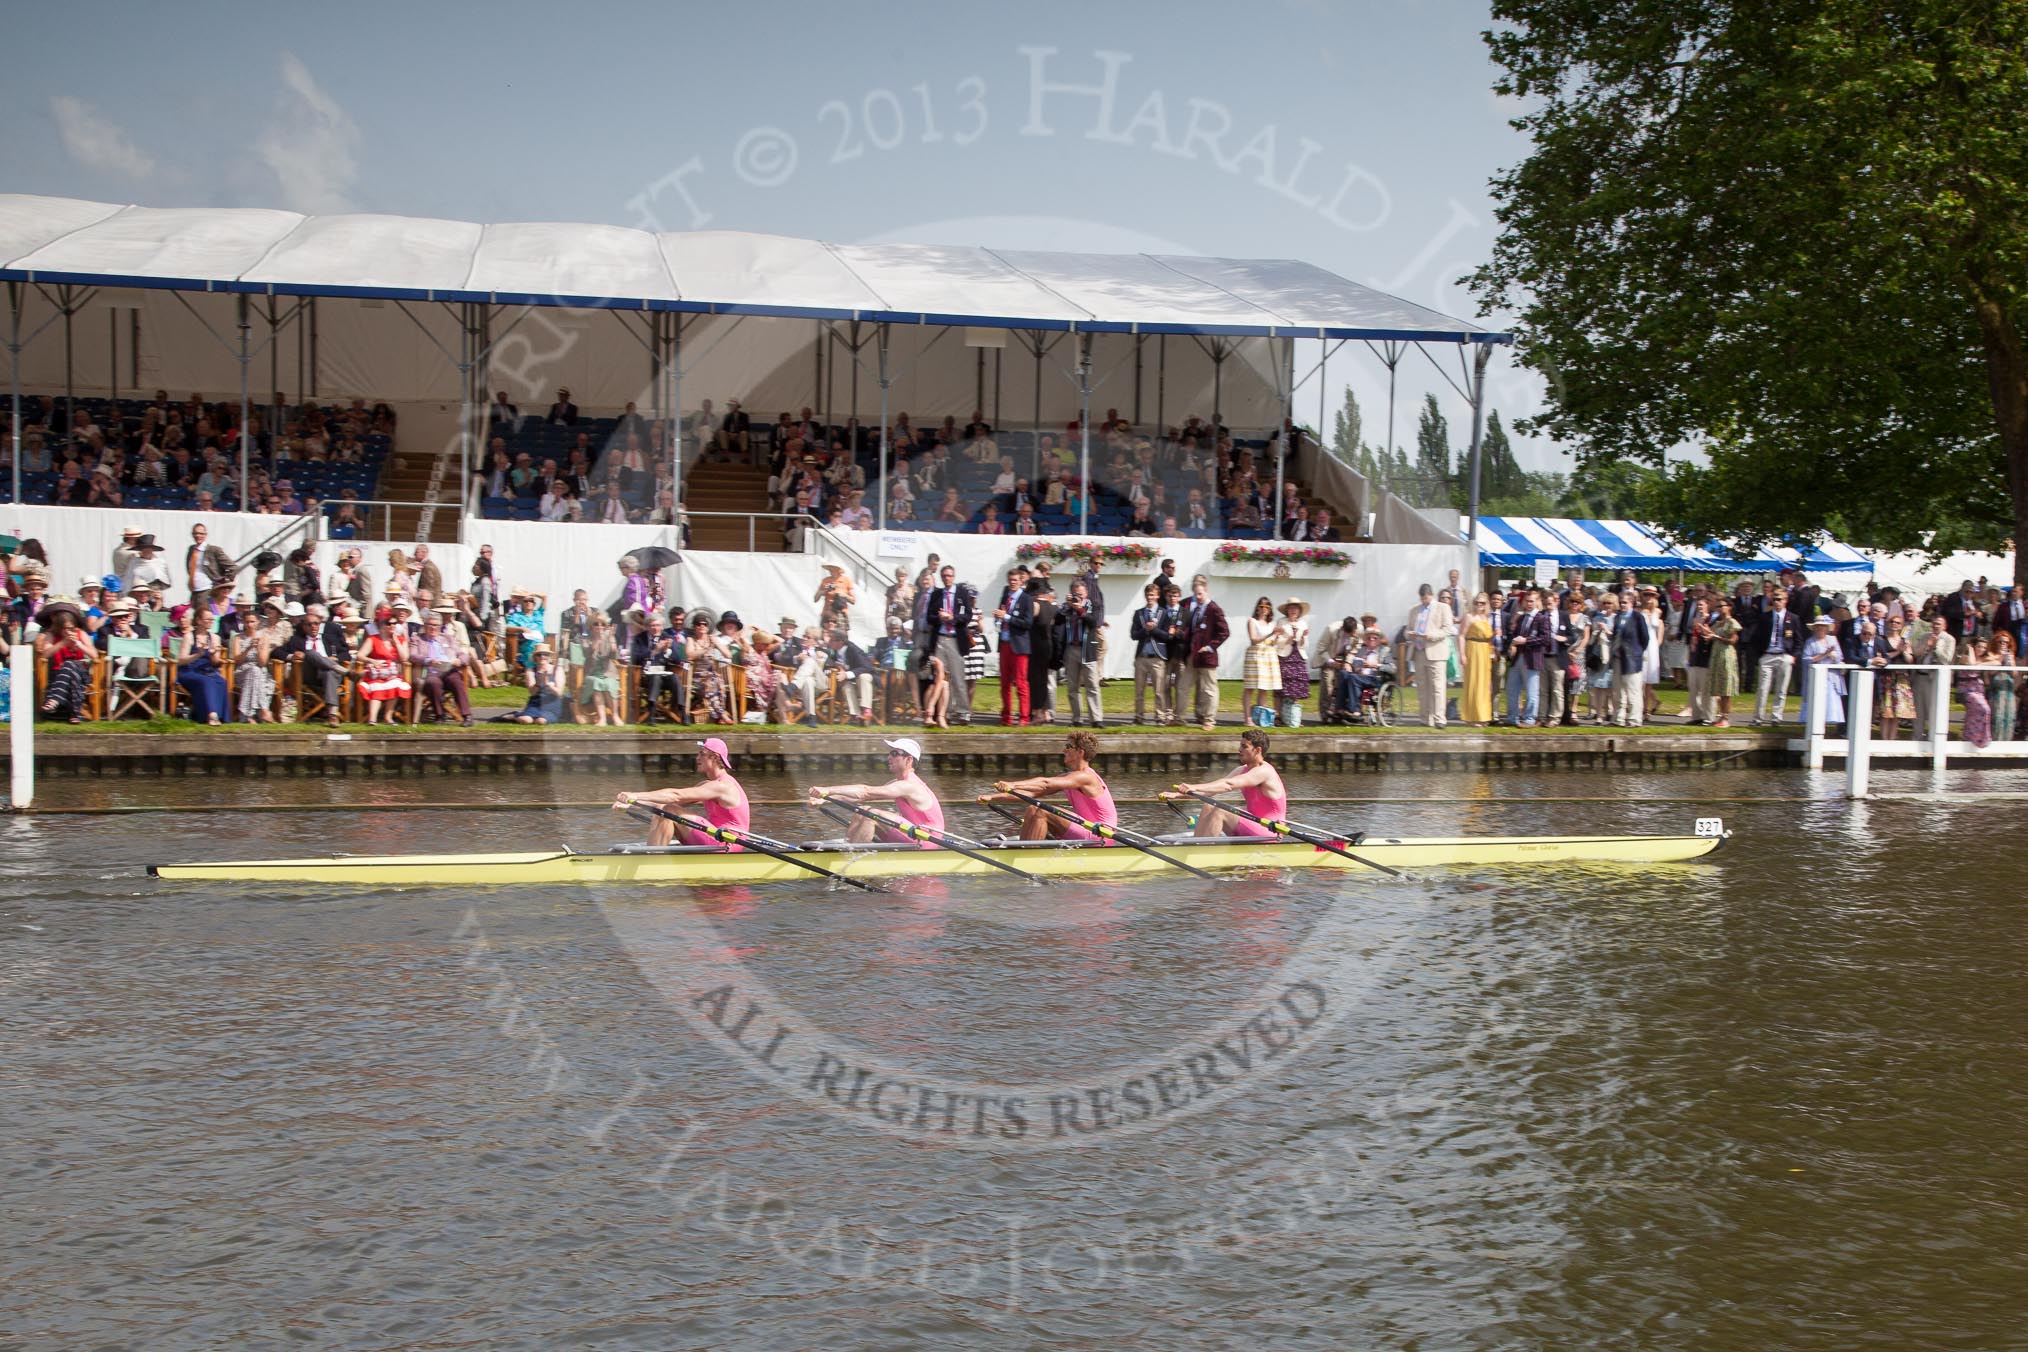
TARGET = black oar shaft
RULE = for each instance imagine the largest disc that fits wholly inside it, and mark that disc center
(1307, 835)
(971, 849)
(774, 849)
(1105, 832)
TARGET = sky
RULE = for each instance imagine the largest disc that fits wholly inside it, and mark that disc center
(1356, 135)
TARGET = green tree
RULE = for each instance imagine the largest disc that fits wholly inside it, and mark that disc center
(1794, 234)
(1500, 474)
(1348, 441)
(1432, 471)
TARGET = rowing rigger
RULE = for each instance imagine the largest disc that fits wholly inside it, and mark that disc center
(709, 865)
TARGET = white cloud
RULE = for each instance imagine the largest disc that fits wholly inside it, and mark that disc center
(95, 142)
(311, 146)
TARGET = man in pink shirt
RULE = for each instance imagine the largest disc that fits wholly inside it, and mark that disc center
(720, 795)
(913, 800)
(1259, 786)
(1084, 791)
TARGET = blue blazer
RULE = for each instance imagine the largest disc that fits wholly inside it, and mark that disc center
(1020, 620)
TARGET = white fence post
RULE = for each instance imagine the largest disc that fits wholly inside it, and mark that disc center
(21, 713)
(1815, 680)
(1859, 733)
(1940, 719)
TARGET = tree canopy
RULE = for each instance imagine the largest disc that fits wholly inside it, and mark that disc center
(1792, 233)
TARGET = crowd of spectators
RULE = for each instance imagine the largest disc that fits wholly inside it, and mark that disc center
(160, 453)
(1191, 480)
(394, 639)
(1572, 654)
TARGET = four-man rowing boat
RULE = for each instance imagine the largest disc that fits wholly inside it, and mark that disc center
(709, 865)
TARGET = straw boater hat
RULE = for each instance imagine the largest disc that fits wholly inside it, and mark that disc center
(543, 650)
(349, 618)
(1301, 606)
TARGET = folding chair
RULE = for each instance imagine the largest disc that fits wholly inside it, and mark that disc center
(309, 695)
(138, 689)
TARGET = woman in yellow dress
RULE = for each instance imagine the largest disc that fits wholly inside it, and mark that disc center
(1475, 705)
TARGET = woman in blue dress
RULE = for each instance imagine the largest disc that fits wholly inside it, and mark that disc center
(192, 646)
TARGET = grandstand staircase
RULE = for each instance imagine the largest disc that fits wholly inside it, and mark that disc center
(709, 487)
(411, 478)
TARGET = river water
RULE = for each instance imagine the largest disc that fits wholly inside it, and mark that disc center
(1775, 1099)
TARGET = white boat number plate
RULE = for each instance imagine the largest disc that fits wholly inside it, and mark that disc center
(1710, 826)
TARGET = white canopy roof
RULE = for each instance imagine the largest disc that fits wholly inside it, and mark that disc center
(54, 239)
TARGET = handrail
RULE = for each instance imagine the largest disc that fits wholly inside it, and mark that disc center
(306, 521)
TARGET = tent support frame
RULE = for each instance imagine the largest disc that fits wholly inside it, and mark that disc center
(1480, 360)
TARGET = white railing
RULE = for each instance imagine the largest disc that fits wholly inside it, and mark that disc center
(1859, 747)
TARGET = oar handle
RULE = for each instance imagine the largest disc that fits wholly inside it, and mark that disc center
(774, 849)
(942, 839)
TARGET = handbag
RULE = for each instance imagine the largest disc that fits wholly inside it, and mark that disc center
(1573, 672)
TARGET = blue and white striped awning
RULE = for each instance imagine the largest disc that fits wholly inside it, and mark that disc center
(1582, 542)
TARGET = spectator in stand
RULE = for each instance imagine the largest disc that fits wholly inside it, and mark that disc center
(1082, 621)
(500, 413)
(1014, 614)
(990, 522)
(1203, 621)
(1431, 627)
(205, 565)
(545, 695)
(946, 633)
(562, 413)
(657, 658)
(253, 643)
(2002, 686)
(1779, 642)
(708, 657)
(1938, 648)
(854, 671)
(324, 647)
(555, 504)
(68, 654)
(193, 649)
(736, 431)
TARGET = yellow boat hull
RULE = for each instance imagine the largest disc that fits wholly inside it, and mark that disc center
(714, 868)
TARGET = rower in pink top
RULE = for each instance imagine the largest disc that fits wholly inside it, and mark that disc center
(720, 796)
(1082, 788)
(913, 801)
(1258, 784)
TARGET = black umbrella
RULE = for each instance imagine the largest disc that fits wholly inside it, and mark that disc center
(655, 558)
(266, 561)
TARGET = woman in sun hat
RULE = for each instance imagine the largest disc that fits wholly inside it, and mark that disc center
(545, 698)
(385, 678)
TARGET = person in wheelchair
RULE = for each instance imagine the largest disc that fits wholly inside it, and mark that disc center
(1361, 680)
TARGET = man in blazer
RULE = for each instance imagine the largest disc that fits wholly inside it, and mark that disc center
(1529, 638)
(1015, 616)
(1780, 643)
(2010, 617)
(1629, 647)
(1204, 623)
(1430, 629)
(326, 653)
(1175, 636)
(1080, 621)
(562, 413)
(946, 634)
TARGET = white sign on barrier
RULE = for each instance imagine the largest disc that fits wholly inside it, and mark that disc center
(1545, 572)
(896, 544)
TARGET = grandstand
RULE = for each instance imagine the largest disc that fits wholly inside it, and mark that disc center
(121, 423)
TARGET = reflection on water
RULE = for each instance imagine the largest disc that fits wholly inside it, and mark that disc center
(1772, 1100)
